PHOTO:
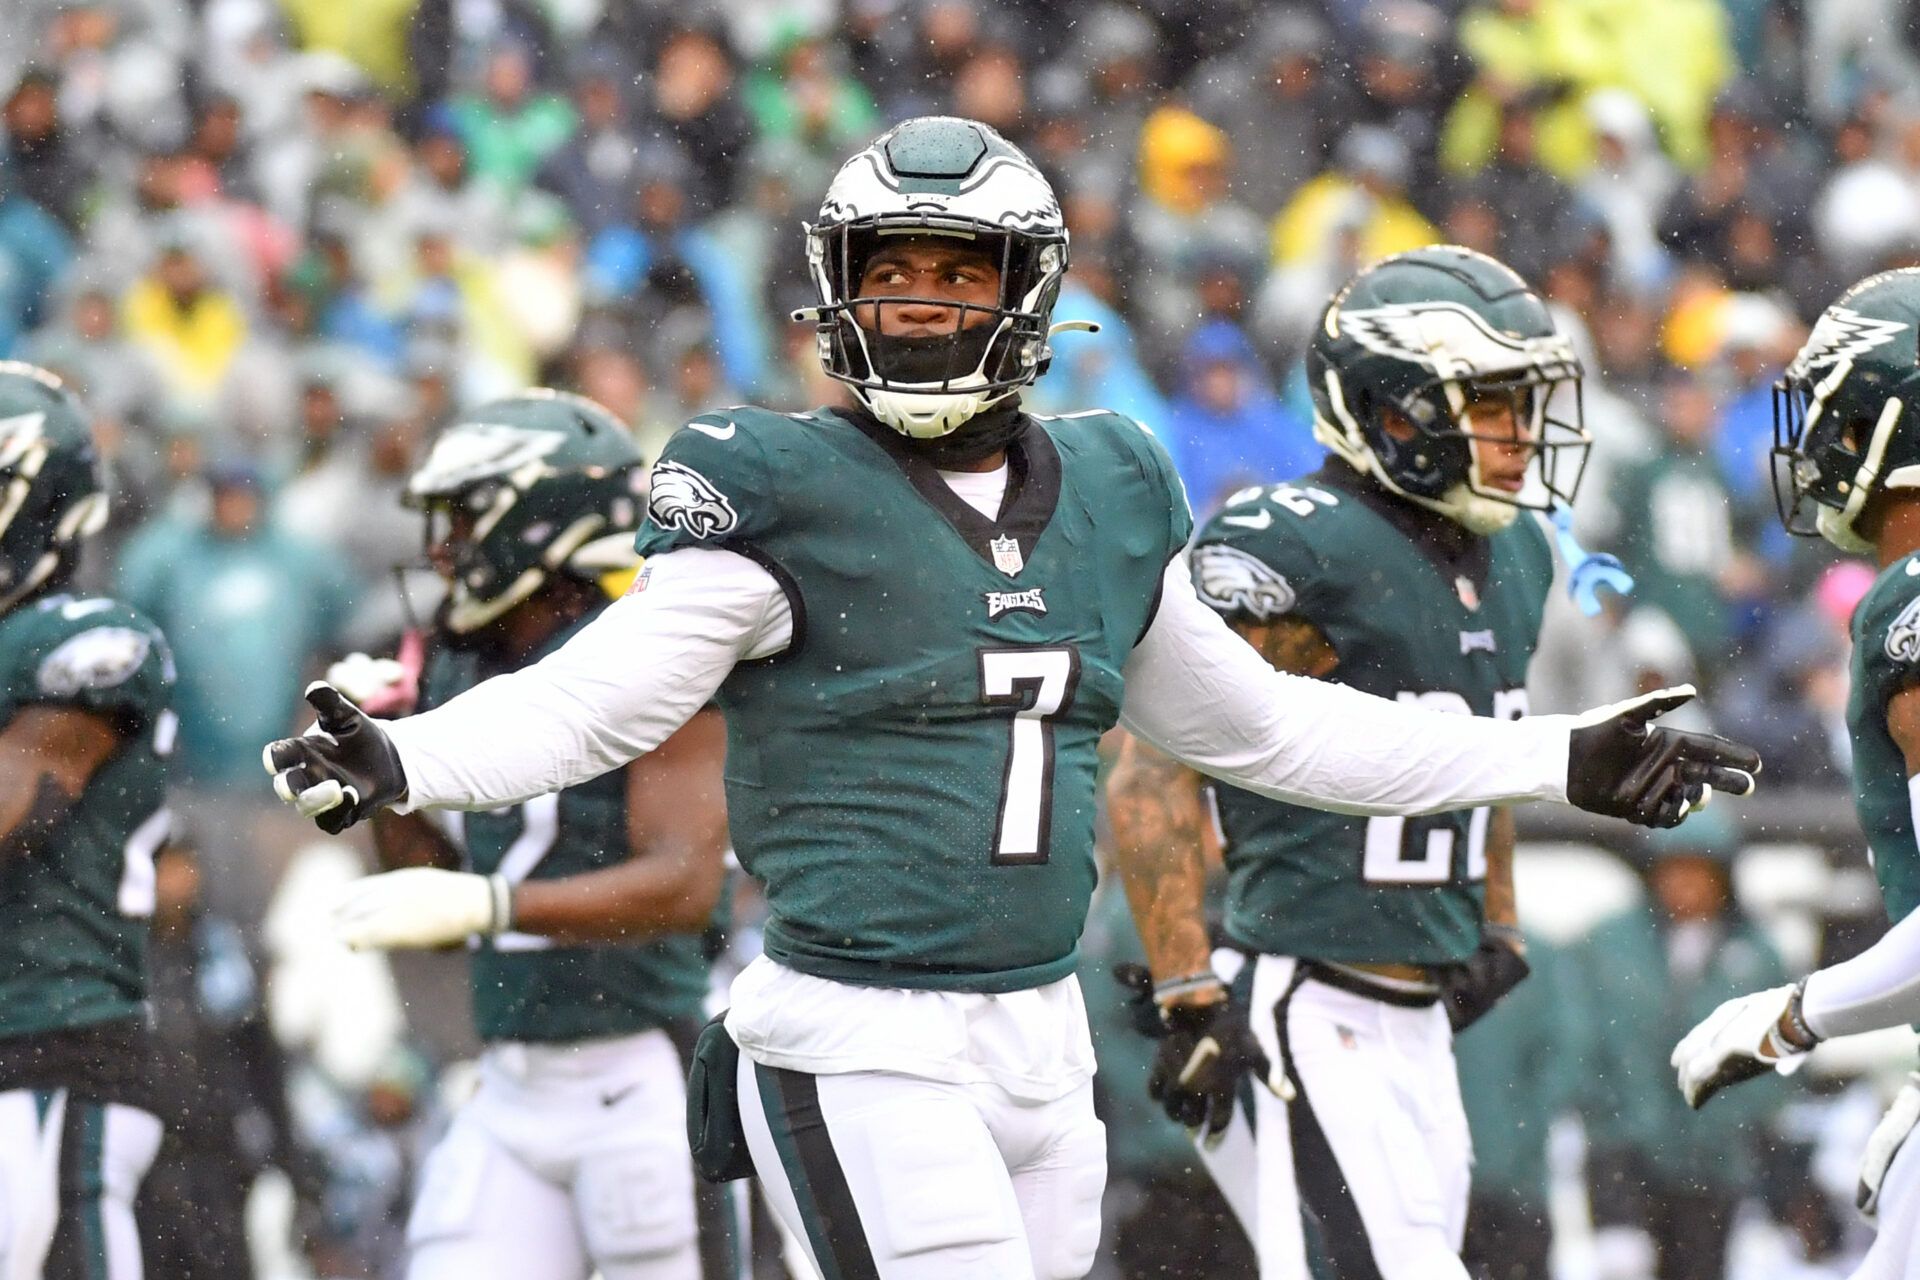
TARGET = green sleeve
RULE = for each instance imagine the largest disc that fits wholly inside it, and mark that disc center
(1889, 641)
(1157, 465)
(99, 656)
(1255, 561)
(712, 487)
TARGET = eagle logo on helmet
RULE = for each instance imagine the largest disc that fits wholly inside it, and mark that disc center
(682, 498)
(1842, 334)
(18, 436)
(1448, 338)
(1242, 585)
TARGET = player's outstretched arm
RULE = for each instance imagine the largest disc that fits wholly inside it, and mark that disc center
(47, 756)
(612, 693)
(1197, 693)
(677, 830)
(1159, 823)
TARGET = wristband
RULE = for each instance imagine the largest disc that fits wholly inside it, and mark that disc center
(1174, 988)
(1793, 1028)
(502, 893)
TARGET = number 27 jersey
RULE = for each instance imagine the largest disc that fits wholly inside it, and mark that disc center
(1449, 629)
(913, 778)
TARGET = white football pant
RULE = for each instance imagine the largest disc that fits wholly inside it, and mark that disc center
(883, 1176)
(1375, 1143)
(69, 1172)
(1895, 1254)
(570, 1159)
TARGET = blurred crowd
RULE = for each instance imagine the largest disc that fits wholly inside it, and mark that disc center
(275, 243)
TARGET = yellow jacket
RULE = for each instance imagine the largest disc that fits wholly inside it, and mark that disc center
(1305, 227)
(194, 344)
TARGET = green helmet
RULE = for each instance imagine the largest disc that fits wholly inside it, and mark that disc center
(1844, 422)
(539, 483)
(1402, 350)
(51, 495)
(939, 176)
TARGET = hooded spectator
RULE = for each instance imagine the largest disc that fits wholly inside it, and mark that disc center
(1227, 427)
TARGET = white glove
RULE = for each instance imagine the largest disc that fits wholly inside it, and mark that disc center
(421, 907)
(1885, 1144)
(1737, 1041)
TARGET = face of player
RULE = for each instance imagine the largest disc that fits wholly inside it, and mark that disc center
(1501, 434)
(932, 271)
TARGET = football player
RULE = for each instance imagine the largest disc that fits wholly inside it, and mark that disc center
(85, 730)
(919, 615)
(572, 1156)
(1408, 567)
(1847, 468)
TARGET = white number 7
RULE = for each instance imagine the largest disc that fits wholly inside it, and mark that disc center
(1040, 684)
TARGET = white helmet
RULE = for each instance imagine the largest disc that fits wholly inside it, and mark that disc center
(939, 176)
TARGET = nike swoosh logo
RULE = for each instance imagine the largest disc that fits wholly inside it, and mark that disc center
(613, 1099)
(1260, 521)
(716, 432)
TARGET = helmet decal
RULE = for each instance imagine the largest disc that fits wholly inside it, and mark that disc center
(477, 450)
(1448, 338)
(1842, 334)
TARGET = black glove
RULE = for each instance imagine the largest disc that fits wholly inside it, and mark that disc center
(1142, 1012)
(342, 774)
(1495, 968)
(1619, 766)
(1205, 1052)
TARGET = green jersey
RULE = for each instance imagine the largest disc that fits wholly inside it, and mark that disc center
(525, 987)
(1414, 611)
(74, 909)
(913, 777)
(1886, 659)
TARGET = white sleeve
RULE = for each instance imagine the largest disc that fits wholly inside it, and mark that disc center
(615, 691)
(1878, 988)
(1198, 692)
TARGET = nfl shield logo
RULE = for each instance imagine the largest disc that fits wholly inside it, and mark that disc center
(1468, 596)
(1006, 555)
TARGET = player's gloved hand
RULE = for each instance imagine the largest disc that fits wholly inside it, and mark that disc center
(1747, 1036)
(340, 771)
(382, 686)
(1142, 1012)
(1621, 765)
(421, 907)
(1496, 967)
(1197, 1070)
(1884, 1145)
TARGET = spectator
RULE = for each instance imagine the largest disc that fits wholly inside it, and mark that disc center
(1227, 428)
(1665, 1181)
(595, 170)
(509, 127)
(46, 166)
(1677, 523)
(693, 101)
(1365, 192)
(190, 329)
(803, 95)
(1277, 101)
(233, 593)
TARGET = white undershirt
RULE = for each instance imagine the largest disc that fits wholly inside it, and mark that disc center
(984, 491)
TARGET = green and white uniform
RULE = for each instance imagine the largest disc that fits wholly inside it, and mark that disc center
(572, 1157)
(74, 1050)
(1886, 659)
(1407, 621)
(1375, 1141)
(525, 988)
(925, 666)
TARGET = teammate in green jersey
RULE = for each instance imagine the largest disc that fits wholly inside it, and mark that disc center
(918, 616)
(1847, 467)
(1407, 567)
(586, 906)
(85, 729)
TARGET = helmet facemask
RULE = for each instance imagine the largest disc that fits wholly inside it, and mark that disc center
(1432, 459)
(928, 387)
(50, 501)
(1826, 464)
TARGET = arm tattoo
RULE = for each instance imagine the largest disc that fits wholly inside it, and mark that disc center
(29, 833)
(1158, 827)
(1291, 644)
